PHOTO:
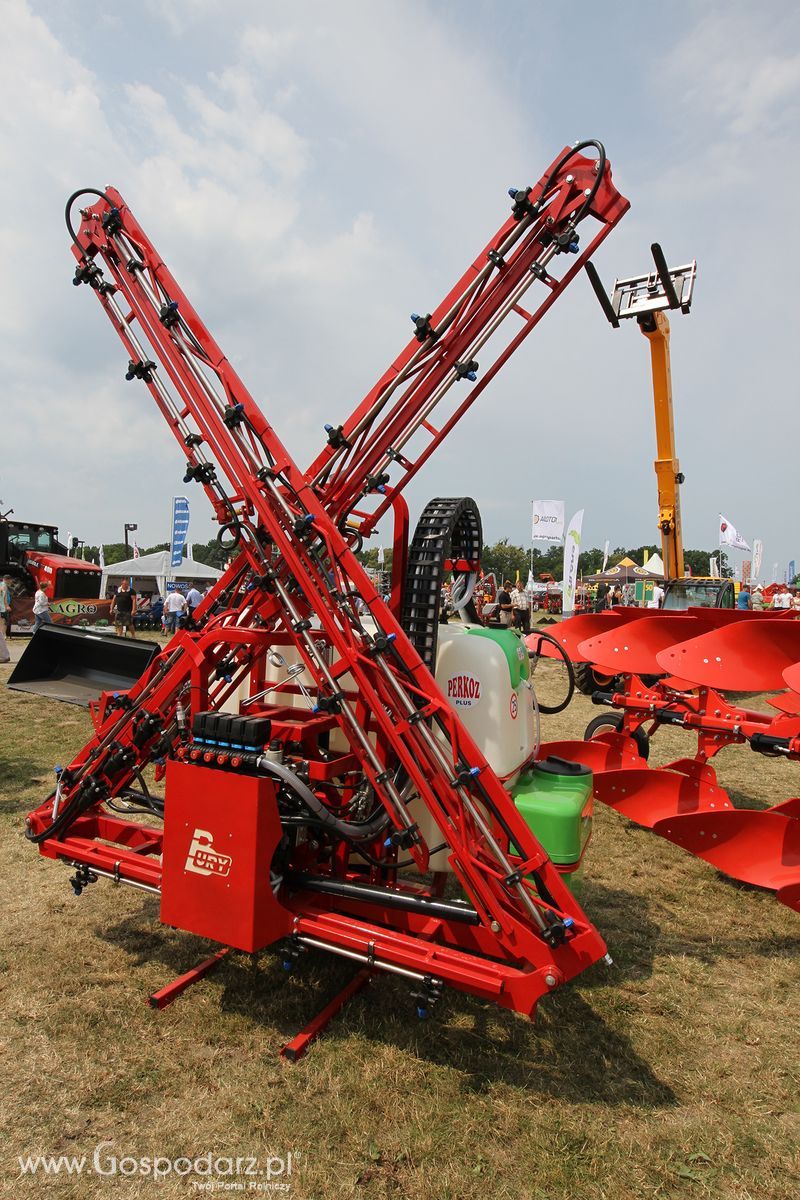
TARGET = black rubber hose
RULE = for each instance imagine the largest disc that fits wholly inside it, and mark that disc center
(71, 201)
(352, 831)
(562, 162)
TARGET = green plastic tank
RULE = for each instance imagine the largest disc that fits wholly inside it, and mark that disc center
(555, 798)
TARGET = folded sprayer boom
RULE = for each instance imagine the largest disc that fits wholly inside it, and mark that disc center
(373, 745)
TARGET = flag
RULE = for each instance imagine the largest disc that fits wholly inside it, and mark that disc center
(548, 520)
(572, 549)
(517, 581)
(728, 535)
(190, 551)
(135, 550)
(746, 571)
(102, 557)
(180, 528)
(531, 582)
(381, 556)
(69, 544)
(791, 571)
(713, 566)
(758, 554)
(774, 572)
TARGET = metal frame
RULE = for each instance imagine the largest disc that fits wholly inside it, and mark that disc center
(291, 583)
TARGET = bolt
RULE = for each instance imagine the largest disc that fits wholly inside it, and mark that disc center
(495, 927)
(550, 980)
(608, 960)
(570, 179)
(587, 191)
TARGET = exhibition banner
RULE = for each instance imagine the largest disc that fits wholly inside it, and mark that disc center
(180, 528)
(548, 521)
(572, 550)
(758, 554)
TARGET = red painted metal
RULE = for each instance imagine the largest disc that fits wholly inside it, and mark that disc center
(221, 831)
(297, 1047)
(746, 656)
(790, 896)
(291, 586)
(606, 752)
(761, 848)
(791, 676)
(177, 987)
(648, 796)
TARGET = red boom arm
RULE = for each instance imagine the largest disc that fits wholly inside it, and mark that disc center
(295, 575)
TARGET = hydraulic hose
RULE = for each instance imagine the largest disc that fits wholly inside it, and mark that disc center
(352, 831)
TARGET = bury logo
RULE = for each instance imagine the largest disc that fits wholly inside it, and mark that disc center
(463, 690)
(203, 859)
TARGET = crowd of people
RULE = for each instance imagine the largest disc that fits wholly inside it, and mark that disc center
(760, 601)
(170, 613)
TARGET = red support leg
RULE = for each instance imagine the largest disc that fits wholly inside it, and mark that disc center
(297, 1047)
(171, 991)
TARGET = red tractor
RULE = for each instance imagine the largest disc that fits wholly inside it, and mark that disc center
(33, 557)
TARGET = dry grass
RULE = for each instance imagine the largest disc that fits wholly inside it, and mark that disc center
(673, 1074)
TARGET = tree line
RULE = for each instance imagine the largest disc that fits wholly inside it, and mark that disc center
(507, 560)
(504, 558)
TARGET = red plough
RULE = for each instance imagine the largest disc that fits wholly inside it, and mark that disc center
(685, 670)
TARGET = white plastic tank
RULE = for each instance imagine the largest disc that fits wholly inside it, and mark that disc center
(483, 673)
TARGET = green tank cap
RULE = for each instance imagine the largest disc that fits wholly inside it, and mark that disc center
(512, 645)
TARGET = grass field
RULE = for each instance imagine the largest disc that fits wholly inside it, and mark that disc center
(672, 1074)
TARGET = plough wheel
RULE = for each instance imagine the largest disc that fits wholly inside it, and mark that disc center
(588, 679)
(612, 723)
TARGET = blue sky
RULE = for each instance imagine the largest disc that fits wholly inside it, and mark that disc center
(313, 173)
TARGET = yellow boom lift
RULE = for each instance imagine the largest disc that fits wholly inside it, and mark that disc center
(646, 298)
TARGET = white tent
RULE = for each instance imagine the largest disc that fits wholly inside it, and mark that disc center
(152, 572)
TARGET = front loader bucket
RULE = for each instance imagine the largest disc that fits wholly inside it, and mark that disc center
(76, 666)
(648, 797)
(761, 848)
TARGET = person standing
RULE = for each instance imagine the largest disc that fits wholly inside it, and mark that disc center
(519, 607)
(41, 609)
(656, 596)
(193, 598)
(123, 609)
(505, 609)
(601, 597)
(5, 607)
(174, 608)
(743, 600)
